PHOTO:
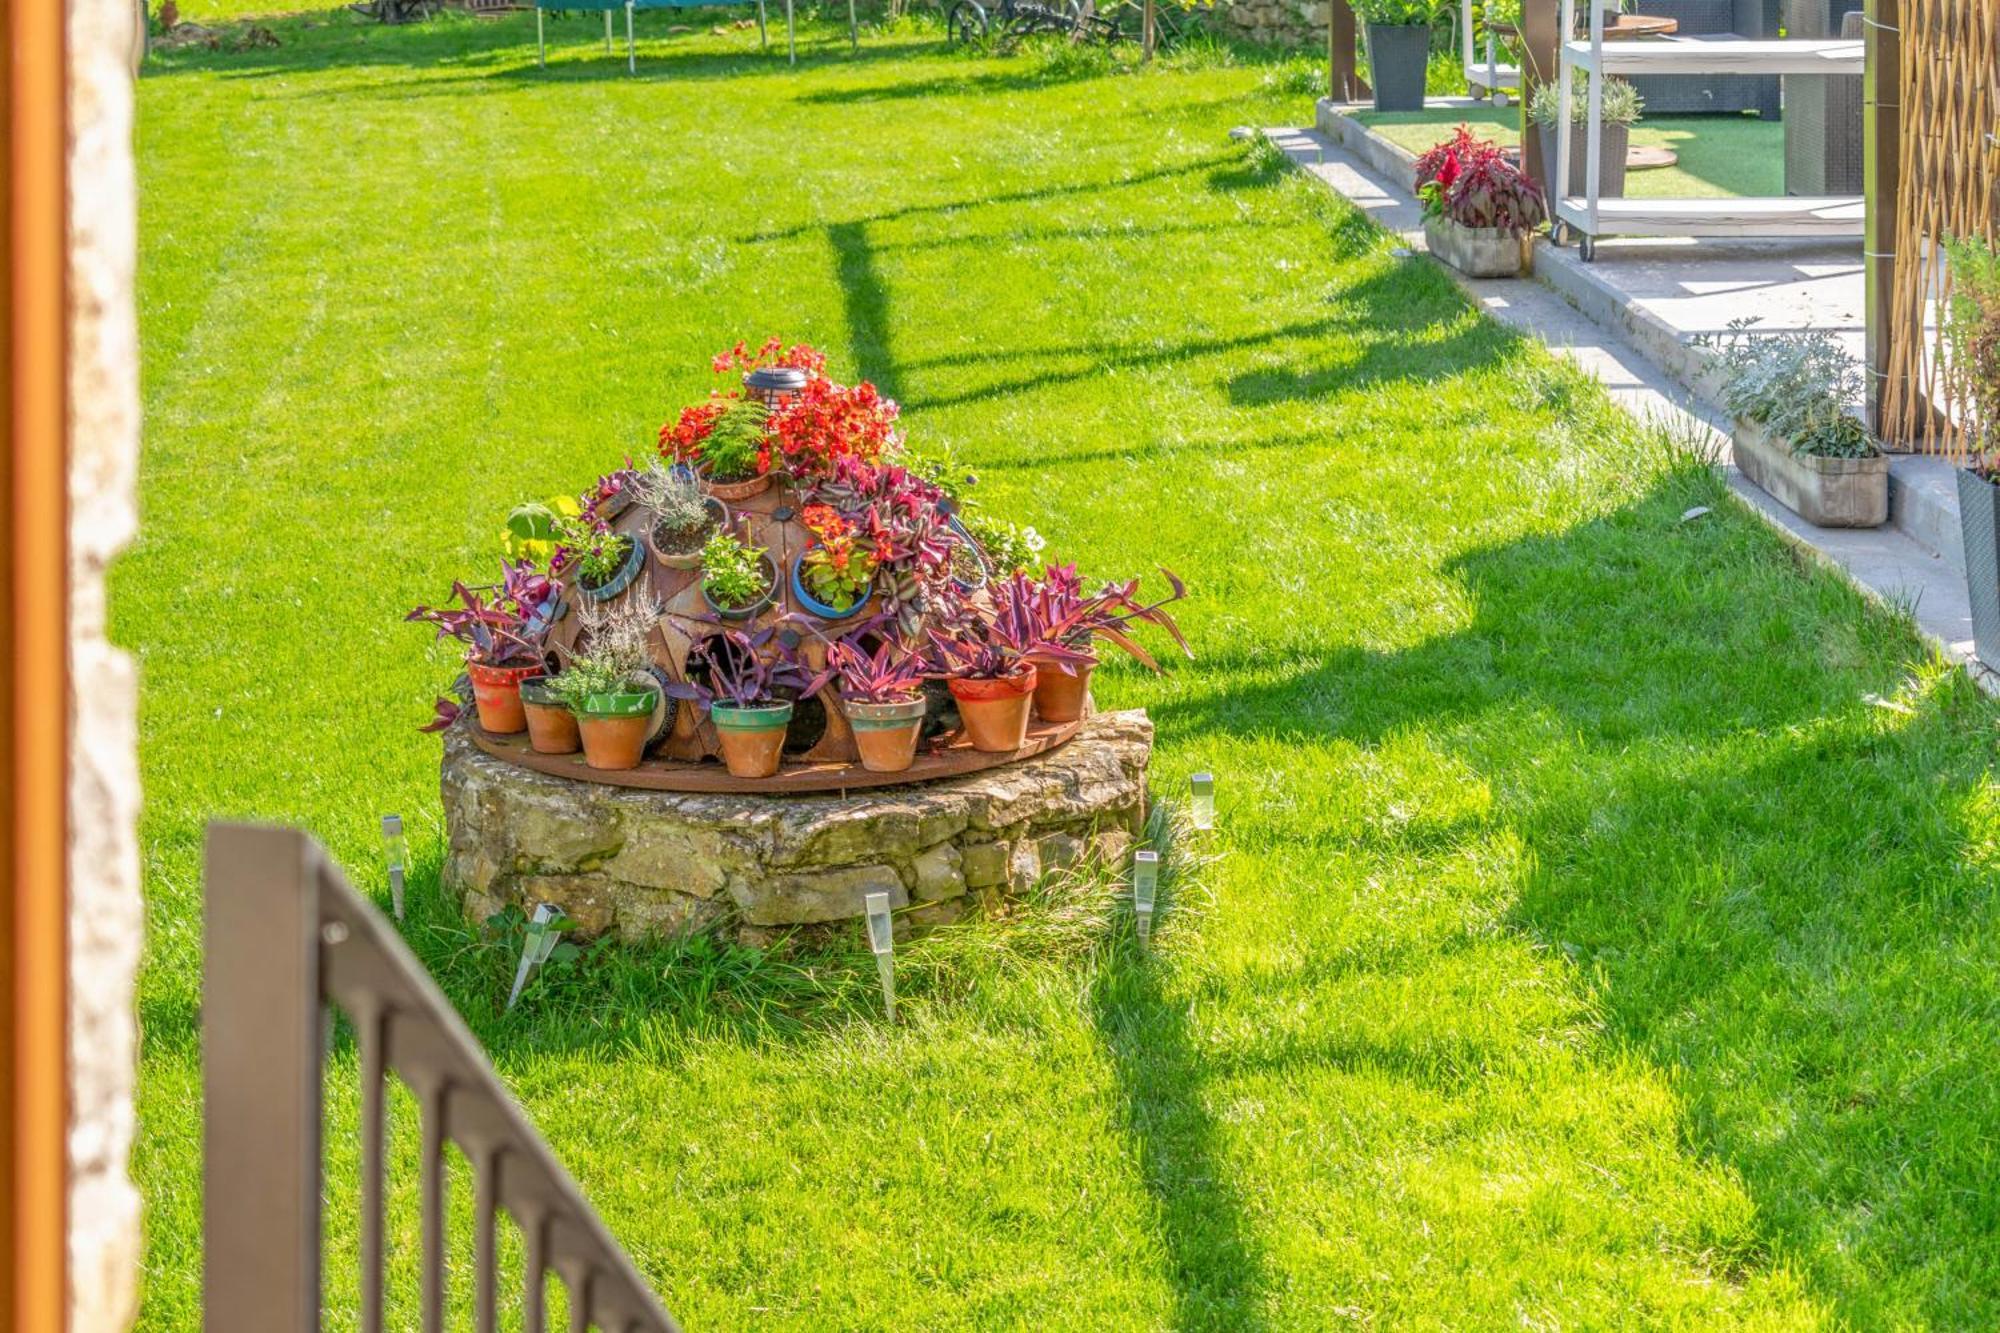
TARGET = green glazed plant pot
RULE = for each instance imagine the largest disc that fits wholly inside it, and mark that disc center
(886, 733)
(614, 727)
(753, 739)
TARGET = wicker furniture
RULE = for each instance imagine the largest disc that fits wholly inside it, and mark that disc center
(1823, 126)
(1675, 94)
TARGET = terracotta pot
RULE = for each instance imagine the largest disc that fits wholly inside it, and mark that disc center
(718, 514)
(497, 691)
(1060, 695)
(551, 726)
(886, 733)
(753, 739)
(995, 711)
(614, 727)
(740, 490)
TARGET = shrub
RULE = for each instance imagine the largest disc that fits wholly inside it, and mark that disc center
(1972, 330)
(1795, 385)
(1622, 103)
(1398, 13)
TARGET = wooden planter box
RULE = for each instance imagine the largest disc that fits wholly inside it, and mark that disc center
(1477, 252)
(1826, 492)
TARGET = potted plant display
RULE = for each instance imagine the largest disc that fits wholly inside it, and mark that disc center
(727, 440)
(989, 661)
(882, 692)
(680, 518)
(502, 626)
(1478, 209)
(1621, 107)
(551, 723)
(747, 682)
(1793, 435)
(831, 577)
(1399, 49)
(1010, 548)
(1972, 332)
(1060, 611)
(605, 562)
(737, 581)
(607, 685)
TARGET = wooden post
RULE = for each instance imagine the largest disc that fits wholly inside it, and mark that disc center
(1882, 133)
(1540, 50)
(1343, 78)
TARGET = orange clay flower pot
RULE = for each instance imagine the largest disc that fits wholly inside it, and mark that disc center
(995, 712)
(1059, 694)
(614, 727)
(551, 726)
(753, 739)
(497, 690)
(886, 733)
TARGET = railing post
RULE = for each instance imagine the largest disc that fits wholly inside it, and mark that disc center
(1882, 133)
(1541, 48)
(1343, 78)
(261, 1041)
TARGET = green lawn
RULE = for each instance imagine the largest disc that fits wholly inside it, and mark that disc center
(1720, 157)
(1600, 926)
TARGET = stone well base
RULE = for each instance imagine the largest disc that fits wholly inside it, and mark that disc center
(638, 862)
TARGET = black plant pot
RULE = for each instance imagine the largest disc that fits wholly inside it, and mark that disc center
(1979, 524)
(1399, 55)
(1613, 147)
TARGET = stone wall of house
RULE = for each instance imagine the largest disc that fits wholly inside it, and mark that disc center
(1288, 23)
(106, 920)
(631, 861)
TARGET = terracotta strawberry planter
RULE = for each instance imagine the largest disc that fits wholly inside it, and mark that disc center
(551, 726)
(740, 490)
(995, 711)
(613, 728)
(1060, 695)
(886, 733)
(753, 739)
(497, 691)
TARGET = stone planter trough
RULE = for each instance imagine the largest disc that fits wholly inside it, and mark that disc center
(1826, 492)
(1477, 252)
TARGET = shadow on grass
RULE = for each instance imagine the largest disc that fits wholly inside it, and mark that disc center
(1782, 888)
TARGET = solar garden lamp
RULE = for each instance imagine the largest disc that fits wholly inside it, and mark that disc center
(1145, 889)
(394, 852)
(541, 941)
(882, 939)
(1201, 787)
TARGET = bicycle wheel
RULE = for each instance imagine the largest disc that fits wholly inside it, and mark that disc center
(966, 22)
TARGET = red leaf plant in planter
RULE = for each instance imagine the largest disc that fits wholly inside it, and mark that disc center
(1477, 206)
(749, 682)
(989, 663)
(502, 626)
(1065, 613)
(882, 692)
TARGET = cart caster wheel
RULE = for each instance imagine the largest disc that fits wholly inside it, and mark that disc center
(1502, 100)
(1558, 233)
(1587, 250)
(1478, 93)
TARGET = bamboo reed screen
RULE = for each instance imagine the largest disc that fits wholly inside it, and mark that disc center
(1949, 167)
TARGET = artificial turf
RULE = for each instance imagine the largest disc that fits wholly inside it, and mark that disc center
(1598, 930)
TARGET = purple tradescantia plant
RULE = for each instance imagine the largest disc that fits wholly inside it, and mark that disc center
(892, 673)
(500, 624)
(1062, 610)
(746, 670)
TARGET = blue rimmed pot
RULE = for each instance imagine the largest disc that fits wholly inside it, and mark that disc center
(746, 612)
(753, 738)
(886, 732)
(615, 727)
(813, 605)
(635, 560)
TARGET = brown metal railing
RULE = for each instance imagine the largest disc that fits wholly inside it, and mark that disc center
(286, 936)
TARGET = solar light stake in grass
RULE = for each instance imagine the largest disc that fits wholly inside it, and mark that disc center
(393, 851)
(882, 939)
(538, 944)
(1145, 885)
(1202, 787)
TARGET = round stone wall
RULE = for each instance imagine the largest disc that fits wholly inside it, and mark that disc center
(636, 862)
